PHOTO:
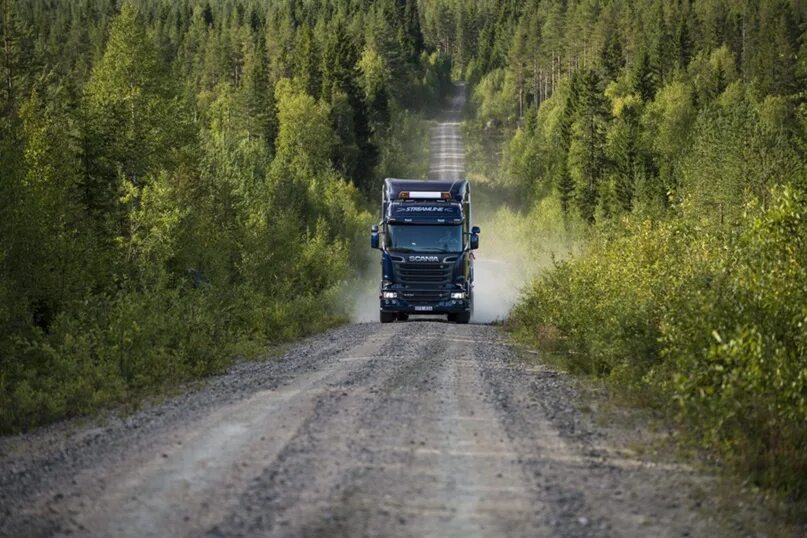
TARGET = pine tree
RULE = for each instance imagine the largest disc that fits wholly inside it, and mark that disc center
(517, 62)
(683, 42)
(623, 145)
(345, 152)
(563, 179)
(659, 51)
(773, 60)
(413, 35)
(15, 56)
(256, 97)
(307, 62)
(611, 57)
(644, 81)
(339, 74)
(587, 146)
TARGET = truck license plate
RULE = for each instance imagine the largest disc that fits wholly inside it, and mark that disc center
(423, 308)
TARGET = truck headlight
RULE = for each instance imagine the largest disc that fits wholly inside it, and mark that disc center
(389, 294)
(458, 295)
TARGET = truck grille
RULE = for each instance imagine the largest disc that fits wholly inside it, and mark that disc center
(424, 282)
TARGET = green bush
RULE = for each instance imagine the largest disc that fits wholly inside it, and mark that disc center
(710, 321)
(118, 349)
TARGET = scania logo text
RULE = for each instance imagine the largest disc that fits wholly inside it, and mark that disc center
(424, 259)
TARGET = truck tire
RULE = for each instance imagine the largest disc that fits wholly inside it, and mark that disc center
(451, 318)
(387, 317)
(463, 317)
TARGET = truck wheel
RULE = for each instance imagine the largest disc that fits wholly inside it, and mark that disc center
(463, 317)
(387, 317)
(403, 316)
(451, 317)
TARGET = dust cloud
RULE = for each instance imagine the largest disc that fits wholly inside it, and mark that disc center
(501, 270)
(496, 288)
(363, 302)
(514, 248)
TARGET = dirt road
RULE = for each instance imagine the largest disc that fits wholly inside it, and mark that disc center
(422, 428)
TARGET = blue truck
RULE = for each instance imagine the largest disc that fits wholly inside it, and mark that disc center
(426, 242)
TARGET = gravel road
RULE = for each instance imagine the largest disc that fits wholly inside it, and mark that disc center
(423, 428)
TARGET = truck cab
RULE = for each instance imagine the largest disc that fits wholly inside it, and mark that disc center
(426, 241)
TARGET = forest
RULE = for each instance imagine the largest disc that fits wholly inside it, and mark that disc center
(184, 182)
(664, 140)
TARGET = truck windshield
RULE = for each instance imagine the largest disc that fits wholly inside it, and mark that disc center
(424, 238)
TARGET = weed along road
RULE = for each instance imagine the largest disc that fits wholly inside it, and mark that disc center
(418, 428)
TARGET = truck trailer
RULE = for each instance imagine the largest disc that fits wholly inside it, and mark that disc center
(426, 241)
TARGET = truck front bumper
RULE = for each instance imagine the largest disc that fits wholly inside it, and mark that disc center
(448, 306)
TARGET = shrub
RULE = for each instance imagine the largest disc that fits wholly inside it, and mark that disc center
(712, 322)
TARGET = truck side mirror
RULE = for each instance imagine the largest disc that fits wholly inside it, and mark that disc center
(474, 243)
(374, 236)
